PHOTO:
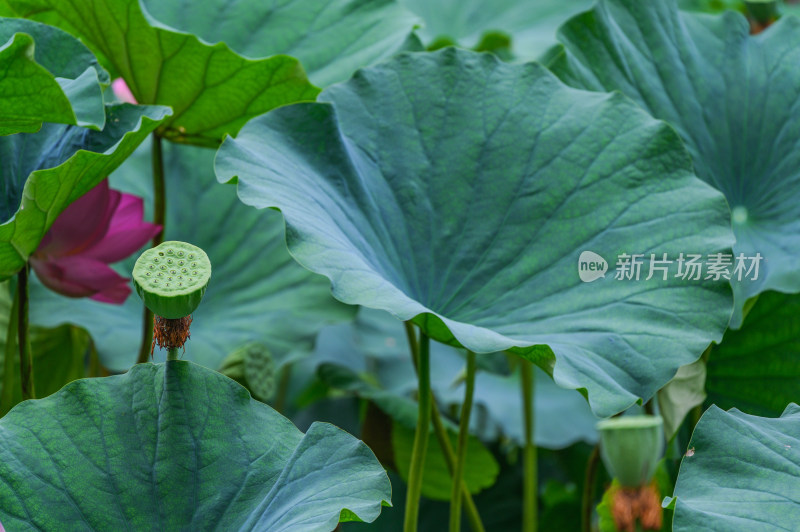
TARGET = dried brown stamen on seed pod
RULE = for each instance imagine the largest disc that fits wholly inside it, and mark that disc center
(170, 334)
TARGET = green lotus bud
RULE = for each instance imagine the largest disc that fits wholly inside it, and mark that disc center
(631, 447)
(171, 278)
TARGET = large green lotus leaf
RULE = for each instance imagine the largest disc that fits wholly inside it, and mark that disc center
(331, 38)
(757, 368)
(375, 346)
(47, 76)
(741, 473)
(59, 357)
(42, 173)
(176, 446)
(212, 90)
(732, 97)
(480, 467)
(257, 292)
(530, 25)
(459, 192)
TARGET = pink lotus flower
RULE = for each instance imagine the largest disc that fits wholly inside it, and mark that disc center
(103, 226)
(122, 91)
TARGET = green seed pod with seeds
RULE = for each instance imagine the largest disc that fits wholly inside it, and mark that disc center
(253, 367)
(165, 287)
(259, 370)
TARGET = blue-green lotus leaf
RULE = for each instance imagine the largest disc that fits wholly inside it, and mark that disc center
(177, 447)
(459, 192)
(740, 473)
(733, 99)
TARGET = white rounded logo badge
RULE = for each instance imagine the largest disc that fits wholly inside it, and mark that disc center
(591, 266)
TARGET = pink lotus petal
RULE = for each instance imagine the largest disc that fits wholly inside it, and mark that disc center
(114, 295)
(130, 212)
(82, 277)
(126, 233)
(82, 224)
(122, 92)
(101, 227)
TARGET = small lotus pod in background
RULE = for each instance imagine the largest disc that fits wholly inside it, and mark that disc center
(233, 367)
(630, 447)
(171, 278)
(253, 367)
(259, 370)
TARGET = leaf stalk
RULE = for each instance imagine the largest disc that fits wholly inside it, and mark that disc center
(529, 493)
(439, 429)
(23, 338)
(420, 448)
(588, 489)
(461, 454)
(159, 218)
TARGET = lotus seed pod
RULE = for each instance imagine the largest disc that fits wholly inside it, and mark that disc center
(233, 367)
(631, 447)
(259, 370)
(253, 367)
(164, 287)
